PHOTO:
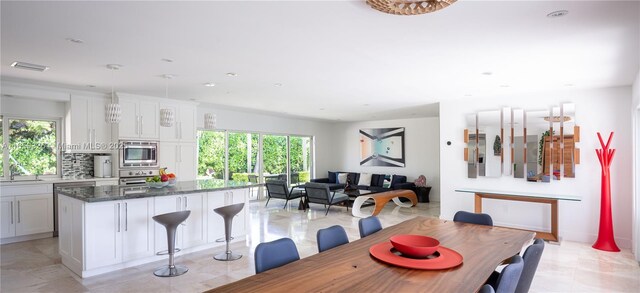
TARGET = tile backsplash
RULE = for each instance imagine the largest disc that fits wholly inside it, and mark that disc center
(77, 165)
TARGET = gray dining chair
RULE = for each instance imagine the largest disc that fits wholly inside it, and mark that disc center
(473, 218)
(331, 237)
(508, 279)
(270, 255)
(531, 258)
(369, 225)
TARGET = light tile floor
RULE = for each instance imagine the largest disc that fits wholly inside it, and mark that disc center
(34, 266)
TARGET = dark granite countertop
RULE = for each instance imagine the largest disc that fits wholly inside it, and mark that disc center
(120, 192)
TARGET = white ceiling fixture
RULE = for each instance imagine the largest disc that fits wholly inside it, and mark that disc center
(166, 60)
(558, 13)
(210, 121)
(277, 84)
(232, 74)
(409, 7)
(114, 66)
(29, 66)
(74, 40)
(209, 84)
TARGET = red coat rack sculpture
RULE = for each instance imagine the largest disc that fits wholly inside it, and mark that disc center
(605, 234)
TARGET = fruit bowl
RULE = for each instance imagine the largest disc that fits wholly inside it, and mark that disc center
(415, 245)
(157, 184)
(172, 182)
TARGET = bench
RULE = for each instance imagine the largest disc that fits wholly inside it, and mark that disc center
(381, 199)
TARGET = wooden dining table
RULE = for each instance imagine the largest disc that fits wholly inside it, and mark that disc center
(350, 267)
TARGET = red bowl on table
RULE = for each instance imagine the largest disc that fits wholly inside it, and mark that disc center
(415, 245)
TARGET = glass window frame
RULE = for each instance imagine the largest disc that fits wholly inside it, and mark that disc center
(6, 164)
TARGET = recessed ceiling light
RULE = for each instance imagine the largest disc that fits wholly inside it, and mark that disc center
(74, 40)
(487, 73)
(232, 74)
(114, 66)
(166, 60)
(192, 99)
(568, 84)
(29, 66)
(167, 76)
(277, 84)
(504, 85)
(559, 13)
(209, 84)
(90, 85)
(321, 109)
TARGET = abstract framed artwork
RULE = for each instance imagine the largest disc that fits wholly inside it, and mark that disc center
(382, 147)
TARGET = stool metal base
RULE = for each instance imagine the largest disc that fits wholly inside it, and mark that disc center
(227, 256)
(168, 271)
(222, 239)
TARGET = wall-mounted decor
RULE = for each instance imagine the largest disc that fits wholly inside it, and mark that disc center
(382, 147)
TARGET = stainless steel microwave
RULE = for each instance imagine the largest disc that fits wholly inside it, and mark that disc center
(136, 154)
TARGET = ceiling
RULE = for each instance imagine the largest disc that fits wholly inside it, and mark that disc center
(332, 60)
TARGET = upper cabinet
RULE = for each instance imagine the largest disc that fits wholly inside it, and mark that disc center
(139, 118)
(85, 124)
(184, 126)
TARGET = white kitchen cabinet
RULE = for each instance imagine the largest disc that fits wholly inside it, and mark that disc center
(179, 158)
(26, 214)
(34, 214)
(7, 219)
(184, 126)
(121, 231)
(139, 119)
(85, 123)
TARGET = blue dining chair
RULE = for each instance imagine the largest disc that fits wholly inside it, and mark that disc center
(472, 218)
(531, 258)
(508, 279)
(331, 237)
(369, 225)
(270, 255)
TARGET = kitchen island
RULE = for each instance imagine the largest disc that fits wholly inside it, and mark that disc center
(107, 228)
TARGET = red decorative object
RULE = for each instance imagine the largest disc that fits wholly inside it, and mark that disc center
(415, 245)
(446, 259)
(605, 234)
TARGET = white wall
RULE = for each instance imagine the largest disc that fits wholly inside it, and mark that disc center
(25, 107)
(322, 131)
(422, 155)
(598, 110)
(635, 113)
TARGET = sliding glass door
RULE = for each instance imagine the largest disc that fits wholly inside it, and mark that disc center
(274, 154)
(211, 154)
(300, 162)
(243, 156)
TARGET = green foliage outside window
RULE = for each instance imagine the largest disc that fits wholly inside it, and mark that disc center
(32, 147)
(211, 154)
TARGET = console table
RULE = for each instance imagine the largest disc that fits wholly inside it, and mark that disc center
(550, 199)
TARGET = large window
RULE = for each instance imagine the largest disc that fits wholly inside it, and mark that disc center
(245, 156)
(211, 154)
(30, 147)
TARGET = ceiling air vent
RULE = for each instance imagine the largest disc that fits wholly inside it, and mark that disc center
(29, 66)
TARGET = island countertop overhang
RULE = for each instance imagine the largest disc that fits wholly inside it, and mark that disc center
(120, 192)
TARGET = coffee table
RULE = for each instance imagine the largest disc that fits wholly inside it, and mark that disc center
(354, 193)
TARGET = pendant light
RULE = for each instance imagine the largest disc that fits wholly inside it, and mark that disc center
(167, 116)
(210, 121)
(113, 110)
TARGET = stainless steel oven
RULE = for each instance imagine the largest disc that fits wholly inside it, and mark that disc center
(138, 154)
(135, 177)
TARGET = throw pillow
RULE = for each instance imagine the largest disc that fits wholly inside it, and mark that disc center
(365, 179)
(386, 183)
(332, 176)
(342, 178)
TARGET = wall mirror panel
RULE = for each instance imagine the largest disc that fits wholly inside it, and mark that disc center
(471, 151)
(517, 128)
(489, 144)
(537, 158)
(553, 143)
(570, 136)
(507, 141)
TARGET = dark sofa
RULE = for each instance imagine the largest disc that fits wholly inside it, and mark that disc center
(377, 182)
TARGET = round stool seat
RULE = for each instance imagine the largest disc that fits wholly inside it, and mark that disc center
(227, 213)
(171, 221)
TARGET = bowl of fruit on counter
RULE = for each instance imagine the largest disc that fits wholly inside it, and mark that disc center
(162, 180)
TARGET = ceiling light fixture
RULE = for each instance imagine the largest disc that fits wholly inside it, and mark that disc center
(209, 84)
(77, 41)
(232, 74)
(210, 121)
(167, 116)
(166, 60)
(29, 66)
(487, 73)
(113, 109)
(277, 84)
(559, 13)
(409, 7)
